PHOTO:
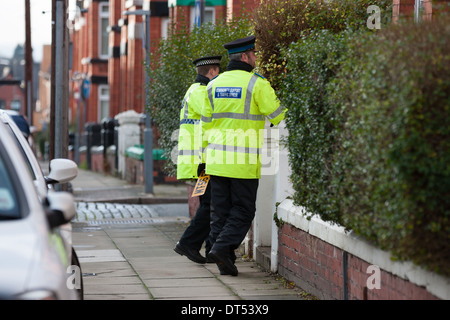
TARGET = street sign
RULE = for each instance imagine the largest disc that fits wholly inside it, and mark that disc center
(198, 13)
(85, 89)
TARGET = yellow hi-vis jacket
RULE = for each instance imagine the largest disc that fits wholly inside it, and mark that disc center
(188, 137)
(232, 123)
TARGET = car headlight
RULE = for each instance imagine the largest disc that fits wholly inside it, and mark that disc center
(37, 295)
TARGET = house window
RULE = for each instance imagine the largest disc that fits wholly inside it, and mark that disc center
(16, 105)
(165, 23)
(103, 29)
(210, 15)
(103, 102)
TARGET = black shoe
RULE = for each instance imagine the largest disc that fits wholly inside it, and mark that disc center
(223, 272)
(191, 254)
(208, 259)
(224, 263)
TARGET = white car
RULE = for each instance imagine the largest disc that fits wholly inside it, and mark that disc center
(61, 171)
(66, 170)
(31, 264)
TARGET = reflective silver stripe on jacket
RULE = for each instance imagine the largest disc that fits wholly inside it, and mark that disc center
(276, 113)
(248, 97)
(210, 94)
(219, 147)
(241, 116)
(188, 152)
(206, 119)
(234, 115)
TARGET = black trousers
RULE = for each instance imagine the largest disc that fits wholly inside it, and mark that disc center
(234, 202)
(198, 230)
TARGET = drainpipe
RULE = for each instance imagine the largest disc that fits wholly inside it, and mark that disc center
(345, 273)
(418, 9)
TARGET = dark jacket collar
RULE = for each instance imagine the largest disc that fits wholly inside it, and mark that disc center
(202, 79)
(239, 65)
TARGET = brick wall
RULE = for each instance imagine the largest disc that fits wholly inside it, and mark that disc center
(317, 267)
(237, 7)
(314, 265)
(97, 160)
(430, 7)
(134, 172)
(321, 257)
(402, 7)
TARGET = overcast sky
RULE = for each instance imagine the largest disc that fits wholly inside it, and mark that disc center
(12, 26)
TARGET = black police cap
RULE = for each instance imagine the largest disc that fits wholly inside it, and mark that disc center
(240, 45)
(205, 61)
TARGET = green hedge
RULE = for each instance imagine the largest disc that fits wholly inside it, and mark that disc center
(278, 23)
(395, 189)
(369, 135)
(311, 121)
(172, 73)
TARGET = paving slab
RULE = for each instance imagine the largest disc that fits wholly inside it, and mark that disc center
(109, 255)
(137, 261)
(122, 296)
(187, 293)
(114, 215)
(106, 269)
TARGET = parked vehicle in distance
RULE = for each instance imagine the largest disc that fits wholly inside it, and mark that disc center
(32, 264)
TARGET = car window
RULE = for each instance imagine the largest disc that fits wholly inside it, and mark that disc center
(9, 208)
(30, 168)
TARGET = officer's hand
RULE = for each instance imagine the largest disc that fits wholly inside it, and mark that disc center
(201, 167)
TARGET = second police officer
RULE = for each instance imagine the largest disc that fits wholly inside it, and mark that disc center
(197, 232)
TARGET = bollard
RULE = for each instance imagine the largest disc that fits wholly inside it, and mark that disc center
(87, 135)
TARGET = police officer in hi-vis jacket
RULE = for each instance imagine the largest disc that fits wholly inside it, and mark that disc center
(233, 117)
(188, 158)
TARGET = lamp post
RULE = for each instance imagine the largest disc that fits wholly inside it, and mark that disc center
(148, 134)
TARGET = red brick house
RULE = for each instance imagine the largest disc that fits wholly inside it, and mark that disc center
(11, 94)
(418, 9)
(108, 42)
(41, 113)
(183, 11)
(90, 59)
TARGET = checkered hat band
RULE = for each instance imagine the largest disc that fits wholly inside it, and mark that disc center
(207, 62)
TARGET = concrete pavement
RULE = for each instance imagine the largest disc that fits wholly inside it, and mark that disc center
(124, 240)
